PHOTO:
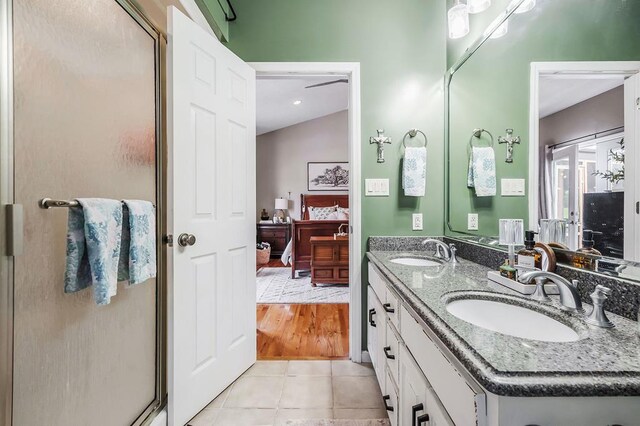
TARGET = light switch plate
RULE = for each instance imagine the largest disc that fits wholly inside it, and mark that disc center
(512, 187)
(417, 221)
(472, 222)
(376, 187)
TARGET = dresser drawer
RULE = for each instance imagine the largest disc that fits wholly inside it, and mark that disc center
(272, 234)
(465, 405)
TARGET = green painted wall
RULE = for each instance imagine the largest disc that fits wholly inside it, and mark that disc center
(401, 50)
(215, 16)
(491, 90)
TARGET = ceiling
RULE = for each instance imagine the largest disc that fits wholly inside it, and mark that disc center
(275, 98)
(561, 92)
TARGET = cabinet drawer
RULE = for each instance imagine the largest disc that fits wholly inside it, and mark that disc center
(343, 273)
(323, 273)
(278, 233)
(391, 399)
(465, 405)
(392, 307)
(377, 282)
(392, 351)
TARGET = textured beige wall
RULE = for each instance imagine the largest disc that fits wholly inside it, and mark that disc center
(282, 157)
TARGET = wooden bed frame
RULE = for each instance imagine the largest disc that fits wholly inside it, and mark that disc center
(303, 230)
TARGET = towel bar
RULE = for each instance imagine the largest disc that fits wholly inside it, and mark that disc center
(477, 133)
(47, 203)
(412, 134)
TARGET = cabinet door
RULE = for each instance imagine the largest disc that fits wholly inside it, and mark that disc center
(381, 330)
(390, 399)
(413, 391)
(372, 332)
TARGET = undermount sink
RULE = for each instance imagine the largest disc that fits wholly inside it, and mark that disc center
(415, 261)
(511, 320)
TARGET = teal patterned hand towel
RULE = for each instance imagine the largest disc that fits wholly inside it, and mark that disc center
(414, 171)
(94, 232)
(138, 256)
(482, 171)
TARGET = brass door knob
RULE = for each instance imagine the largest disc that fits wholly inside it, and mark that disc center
(185, 240)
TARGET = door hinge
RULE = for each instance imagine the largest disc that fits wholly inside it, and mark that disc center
(168, 240)
(15, 229)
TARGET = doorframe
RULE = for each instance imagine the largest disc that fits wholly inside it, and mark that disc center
(538, 69)
(352, 71)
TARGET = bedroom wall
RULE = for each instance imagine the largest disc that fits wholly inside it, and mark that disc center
(282, 157)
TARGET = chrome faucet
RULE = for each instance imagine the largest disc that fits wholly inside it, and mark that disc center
(569, 297)
(443, 251)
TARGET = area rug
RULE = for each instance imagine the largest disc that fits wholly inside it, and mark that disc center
(274, 285)
(345, 422)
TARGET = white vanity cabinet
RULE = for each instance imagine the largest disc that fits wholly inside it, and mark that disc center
(406, 361)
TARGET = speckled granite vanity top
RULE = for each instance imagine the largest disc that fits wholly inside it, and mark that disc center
(602, 363)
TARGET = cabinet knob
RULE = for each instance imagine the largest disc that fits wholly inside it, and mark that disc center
(423, 419)
(387, 406)
(386, 350)
(414, 413)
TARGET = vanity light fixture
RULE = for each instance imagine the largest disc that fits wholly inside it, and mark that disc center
(477, 6)
(526, 5)
(297, 102)
(458, 20)
(500, 31)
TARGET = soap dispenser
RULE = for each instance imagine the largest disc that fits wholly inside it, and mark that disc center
(586, 256)
(529, 257)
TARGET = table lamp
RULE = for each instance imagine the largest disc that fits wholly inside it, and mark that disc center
(281, 205)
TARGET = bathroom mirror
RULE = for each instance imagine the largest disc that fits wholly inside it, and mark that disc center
(563, 76)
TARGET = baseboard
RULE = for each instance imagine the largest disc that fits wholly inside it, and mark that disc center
(365, 356)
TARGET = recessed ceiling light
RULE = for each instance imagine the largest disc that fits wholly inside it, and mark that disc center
(298, 102)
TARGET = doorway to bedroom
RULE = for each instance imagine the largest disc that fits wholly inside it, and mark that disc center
(303, 287)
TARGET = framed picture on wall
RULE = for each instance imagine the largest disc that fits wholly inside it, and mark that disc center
(328, 176)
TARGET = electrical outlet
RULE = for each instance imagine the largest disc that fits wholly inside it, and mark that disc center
(472, 222)
(417, 221)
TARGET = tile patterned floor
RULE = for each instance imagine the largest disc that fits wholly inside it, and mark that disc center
(274, 392)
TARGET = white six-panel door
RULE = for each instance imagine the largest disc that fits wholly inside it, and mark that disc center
(211, 134)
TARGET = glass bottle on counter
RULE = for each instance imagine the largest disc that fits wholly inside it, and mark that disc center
(528, 256)
(586, 257)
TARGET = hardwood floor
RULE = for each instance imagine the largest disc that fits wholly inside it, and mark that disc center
(273, 263)
(303, 331)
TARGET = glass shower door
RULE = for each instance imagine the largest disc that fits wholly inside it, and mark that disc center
(564, 168)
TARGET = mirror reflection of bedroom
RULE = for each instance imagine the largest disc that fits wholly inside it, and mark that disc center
(302, 238)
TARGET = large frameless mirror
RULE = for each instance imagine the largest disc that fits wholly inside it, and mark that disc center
(543, 108)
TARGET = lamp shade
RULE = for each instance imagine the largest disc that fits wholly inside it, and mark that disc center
(282, 204)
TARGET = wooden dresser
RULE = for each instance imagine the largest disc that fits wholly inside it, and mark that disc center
(329, 260)
(276, 234)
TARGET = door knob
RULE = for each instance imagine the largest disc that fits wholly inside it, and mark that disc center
(186, 240)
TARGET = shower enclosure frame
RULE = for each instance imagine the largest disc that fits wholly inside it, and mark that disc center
(7, 199)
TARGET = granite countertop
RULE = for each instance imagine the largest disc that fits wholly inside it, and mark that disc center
(604, 362)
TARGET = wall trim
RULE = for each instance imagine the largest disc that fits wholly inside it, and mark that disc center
(352, 71)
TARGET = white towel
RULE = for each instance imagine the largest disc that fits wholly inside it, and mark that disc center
(482, 171)
(414, 171)
(286, 255)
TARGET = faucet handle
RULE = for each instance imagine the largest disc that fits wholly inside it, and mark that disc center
(452, 253)
(540, 294)
(575, 283)
(598, 317)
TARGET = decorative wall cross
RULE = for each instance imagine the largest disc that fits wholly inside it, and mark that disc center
(509, 139)
(381, 139)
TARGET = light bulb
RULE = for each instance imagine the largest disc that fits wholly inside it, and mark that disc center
(477, 6)
(526, 6)
(458, 19)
